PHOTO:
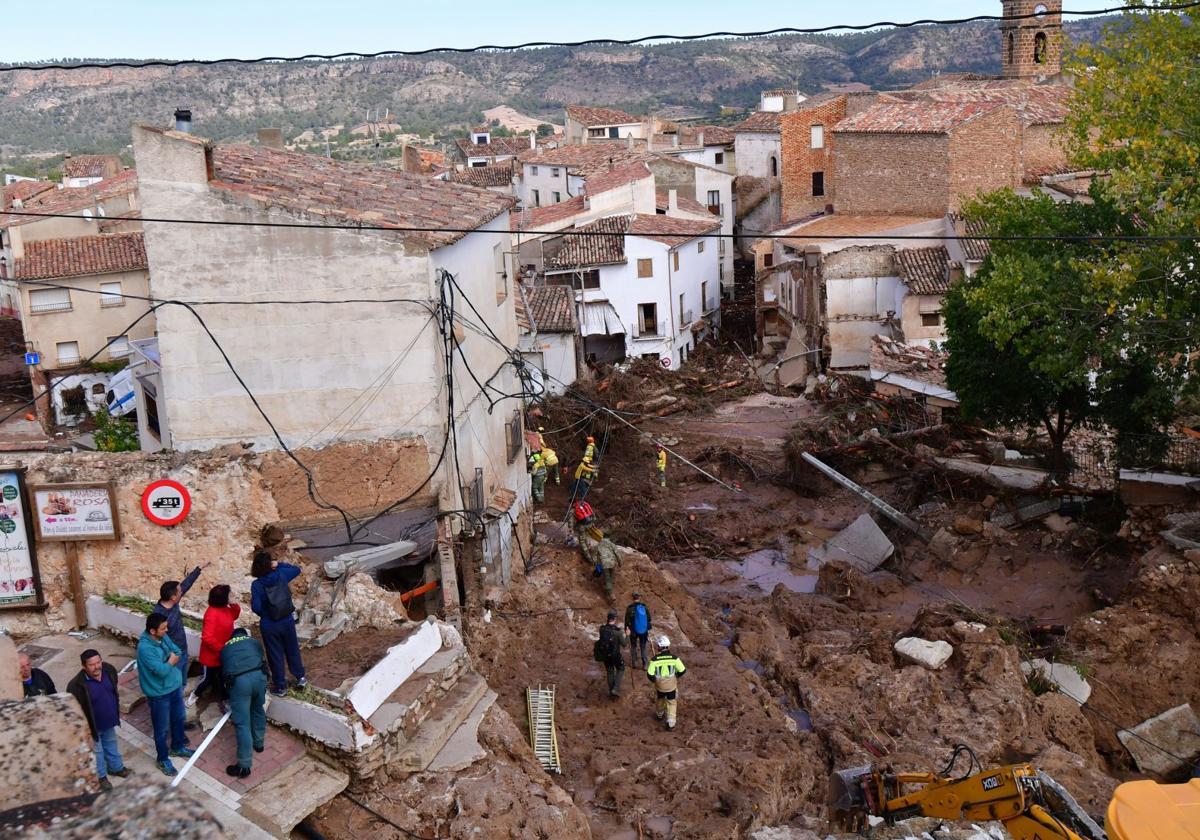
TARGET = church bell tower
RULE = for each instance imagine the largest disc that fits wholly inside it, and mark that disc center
(1031, 45)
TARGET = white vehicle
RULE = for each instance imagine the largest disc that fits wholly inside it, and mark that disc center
(120, 397)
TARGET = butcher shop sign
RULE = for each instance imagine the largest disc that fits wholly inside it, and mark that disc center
(64, 512)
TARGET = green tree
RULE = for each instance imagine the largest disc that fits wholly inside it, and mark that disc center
(545, 130)
(1038, 336)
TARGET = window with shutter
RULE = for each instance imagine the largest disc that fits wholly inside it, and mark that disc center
(49, 300)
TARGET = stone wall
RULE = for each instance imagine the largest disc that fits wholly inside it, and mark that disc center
(801, 160)
(985, 155)
(45, 751)
(1043, 150)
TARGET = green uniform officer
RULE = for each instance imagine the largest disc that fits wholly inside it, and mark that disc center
(244, 668)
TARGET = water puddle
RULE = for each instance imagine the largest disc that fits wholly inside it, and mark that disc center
(769, 567)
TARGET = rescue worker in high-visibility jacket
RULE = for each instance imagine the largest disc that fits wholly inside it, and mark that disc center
(537, 468)
(541, 439)
(585, 474)
(550, 457)
(589, 454)
(664, 671)
(660, 462)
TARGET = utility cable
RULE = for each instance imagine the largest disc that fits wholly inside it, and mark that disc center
(467, 231)
(781, 30)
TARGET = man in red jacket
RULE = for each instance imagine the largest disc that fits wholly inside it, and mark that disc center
(219, 620)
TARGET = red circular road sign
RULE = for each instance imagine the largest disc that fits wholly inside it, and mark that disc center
(166, 502)
(665, 361)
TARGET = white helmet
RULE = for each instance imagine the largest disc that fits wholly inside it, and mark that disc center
(664, 642)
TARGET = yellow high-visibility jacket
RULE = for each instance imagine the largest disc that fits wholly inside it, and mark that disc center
(549, 456)
(590, 452)
(585, 471)
(662, 460)
(664, 671)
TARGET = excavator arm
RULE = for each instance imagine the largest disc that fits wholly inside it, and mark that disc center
(1030, 804)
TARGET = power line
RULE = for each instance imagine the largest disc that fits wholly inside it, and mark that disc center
(781, 30)
(833, 237)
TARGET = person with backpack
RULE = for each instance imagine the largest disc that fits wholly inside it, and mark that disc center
(271, 601)
(637, 625)
(537, 469)
(664, 671)
(607, 650)
(603, 554)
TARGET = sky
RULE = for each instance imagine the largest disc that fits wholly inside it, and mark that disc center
(252, 28)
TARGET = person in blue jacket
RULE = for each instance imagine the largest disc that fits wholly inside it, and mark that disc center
(271, 601)
(162, 683)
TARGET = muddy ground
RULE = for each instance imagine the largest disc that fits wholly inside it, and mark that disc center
(791, 673)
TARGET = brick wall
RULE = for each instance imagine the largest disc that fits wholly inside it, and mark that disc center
(1019, 39)
(892, 173)
(1043, 148)
(985, 154)
(801, 160)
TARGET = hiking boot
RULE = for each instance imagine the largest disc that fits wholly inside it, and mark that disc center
(237, 771)
(301, 683)
(259, 747)
(123, 773)
(167, 768)
(105, 785)
(186, 752)
(279, 692)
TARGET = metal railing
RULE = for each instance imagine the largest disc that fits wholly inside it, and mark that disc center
(38, 308)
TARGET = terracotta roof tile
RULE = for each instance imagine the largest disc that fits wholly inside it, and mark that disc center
(544, 218)
(975, 250)
(23, 191)
(671, 230)
(766, 122)
(91, 166)
(348, 192)
(550, 308)
(588, 116)
(75, 199)
(499, 147)
(604, 244)
(496, 175)
(618, 176)
(81, 257)
(1034, 104)
(926, 271)
(913, 117)
(586, 159)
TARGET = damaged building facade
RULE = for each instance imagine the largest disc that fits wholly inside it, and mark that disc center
(352, 338)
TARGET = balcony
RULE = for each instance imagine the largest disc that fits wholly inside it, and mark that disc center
(648, 332)
(712, 305)
(57, 306)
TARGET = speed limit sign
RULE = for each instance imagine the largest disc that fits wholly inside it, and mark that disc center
(665, 361)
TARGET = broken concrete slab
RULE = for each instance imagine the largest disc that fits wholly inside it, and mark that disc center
(386, 675)
(1184, 532)
(1065, 678)
(861, 545)
(1057, 524)
(447, 716)
(1176, 730)
(1013, 479)
(931, 655)
(281, 802)
(1027, 513)
(463, 749)
(1139, 487)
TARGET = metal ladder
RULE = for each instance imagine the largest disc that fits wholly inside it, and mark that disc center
(542, 735)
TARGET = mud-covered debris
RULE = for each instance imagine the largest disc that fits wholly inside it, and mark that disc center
(1064, 678)
(862, 545)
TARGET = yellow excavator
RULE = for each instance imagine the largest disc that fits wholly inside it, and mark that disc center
(1030, 804)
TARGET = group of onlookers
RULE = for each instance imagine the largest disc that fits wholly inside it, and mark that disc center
(235, 668)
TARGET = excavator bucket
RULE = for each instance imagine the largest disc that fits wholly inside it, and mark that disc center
(847, 800)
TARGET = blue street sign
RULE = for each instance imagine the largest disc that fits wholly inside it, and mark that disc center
(33, 358)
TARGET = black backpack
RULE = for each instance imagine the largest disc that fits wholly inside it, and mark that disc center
(606, 649)
(278, 597)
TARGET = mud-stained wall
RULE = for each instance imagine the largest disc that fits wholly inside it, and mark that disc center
(54, 730)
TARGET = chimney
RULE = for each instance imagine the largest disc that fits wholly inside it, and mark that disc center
(183, 120)
(271, 138)
(675, 140)
(631, 140)
(672, 202)
(533, 140)
(700, 139)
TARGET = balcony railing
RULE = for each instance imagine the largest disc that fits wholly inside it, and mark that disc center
(685, 318)
(39, 308)
(69, 360)
(645, 332)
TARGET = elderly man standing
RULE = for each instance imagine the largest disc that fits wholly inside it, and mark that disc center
(34, 681)
(95, 687)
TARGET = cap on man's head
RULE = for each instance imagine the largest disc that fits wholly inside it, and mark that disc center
(612, 615)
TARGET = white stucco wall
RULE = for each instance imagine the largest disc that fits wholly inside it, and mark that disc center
(554, 355)
(708, 157)
(545, 182)
(707, 179)
(754, 150)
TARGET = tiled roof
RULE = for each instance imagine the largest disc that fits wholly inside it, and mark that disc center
(913, 117)
(545, 218)
(926, 271)
(350, 192)
(761, 121)
(500, 146)
(688, 205)
(81, 257)
(599, 116)
(496, 175)
(825, 229)
(91, 166)
(585, 160)
(1035, 104)
(603, 244)
(618, 176)
(714, 135)
(24, 190)
(550, 308)
(75, 199)
(671, 230)
(975, 250)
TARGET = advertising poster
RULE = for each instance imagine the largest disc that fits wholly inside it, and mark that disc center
(16, 561)
(74, 512)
